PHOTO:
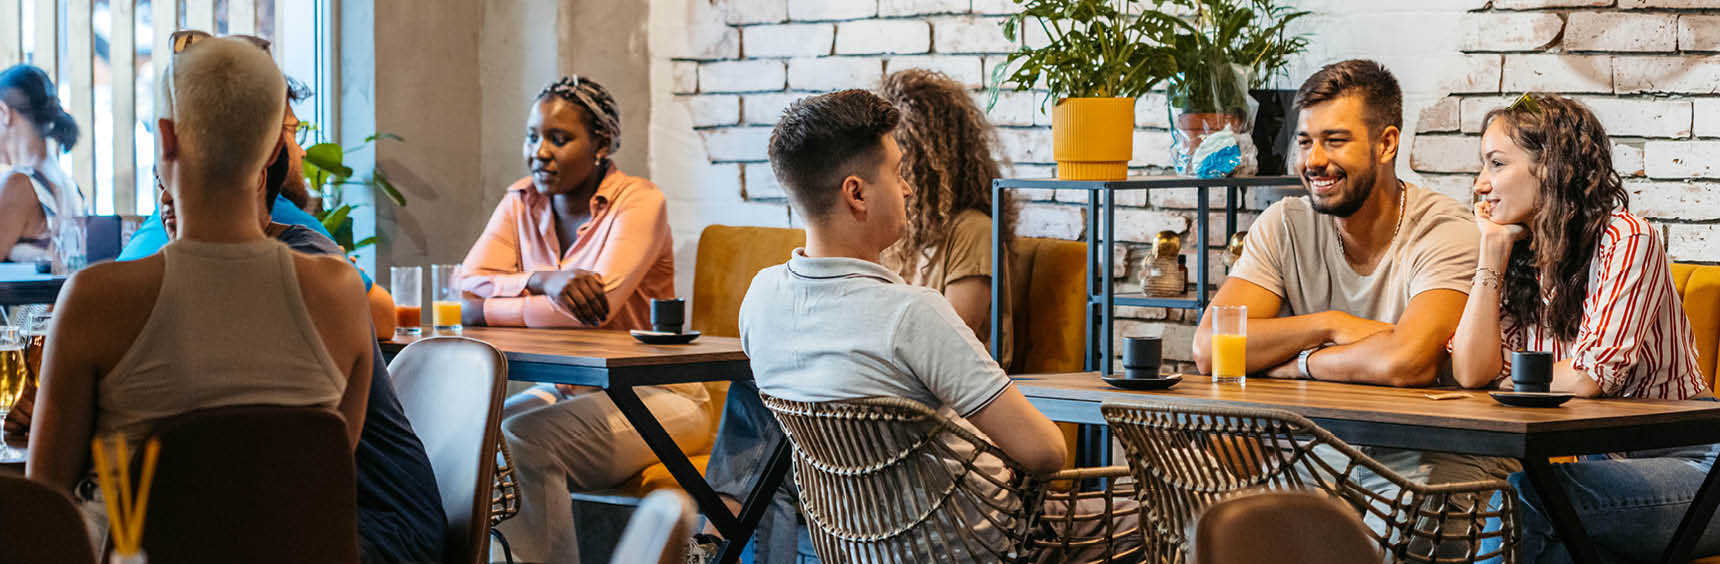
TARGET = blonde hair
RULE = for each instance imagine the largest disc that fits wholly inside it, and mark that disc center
(226, 99)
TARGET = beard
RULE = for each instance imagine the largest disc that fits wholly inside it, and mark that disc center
(1357, 190)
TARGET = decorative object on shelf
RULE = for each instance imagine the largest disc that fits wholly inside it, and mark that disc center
(1099, 58)
(1233, 250)
(1165, 272)
(1222, 48)
(326, 171)
(1274, 129)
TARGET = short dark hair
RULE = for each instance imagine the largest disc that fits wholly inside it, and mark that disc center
(1376, 85)
(822, 139)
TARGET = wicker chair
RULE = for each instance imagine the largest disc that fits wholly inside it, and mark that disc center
(1185, 459)
(889, 480)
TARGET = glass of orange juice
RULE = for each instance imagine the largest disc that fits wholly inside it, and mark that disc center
(445, 312)
(1229, 344)
(407, 285)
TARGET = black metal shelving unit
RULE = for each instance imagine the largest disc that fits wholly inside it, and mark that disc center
(1101, 241)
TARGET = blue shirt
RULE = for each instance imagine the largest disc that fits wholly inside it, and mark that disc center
(152, 236)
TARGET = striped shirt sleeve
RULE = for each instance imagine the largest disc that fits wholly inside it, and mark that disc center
(1609, 344)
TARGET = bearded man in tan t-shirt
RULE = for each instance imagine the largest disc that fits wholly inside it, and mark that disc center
(1364, 279)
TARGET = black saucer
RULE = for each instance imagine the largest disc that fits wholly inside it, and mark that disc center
(1531, 399)
(1143, 383)
(663, 338)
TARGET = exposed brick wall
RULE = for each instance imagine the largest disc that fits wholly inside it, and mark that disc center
(1647, 70)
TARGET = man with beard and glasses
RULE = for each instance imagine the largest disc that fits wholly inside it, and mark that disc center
(1364, 279)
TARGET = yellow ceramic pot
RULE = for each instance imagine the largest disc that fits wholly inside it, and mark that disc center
(1093, 138)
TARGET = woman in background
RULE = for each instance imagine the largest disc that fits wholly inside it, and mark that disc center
(35, 191)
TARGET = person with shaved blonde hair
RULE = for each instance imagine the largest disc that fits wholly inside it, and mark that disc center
(218, 317)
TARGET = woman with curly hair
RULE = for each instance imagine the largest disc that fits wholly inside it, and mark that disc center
(1566, 268)
(947, 157)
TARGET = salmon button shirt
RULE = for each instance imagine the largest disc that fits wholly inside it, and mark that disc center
(626, 241)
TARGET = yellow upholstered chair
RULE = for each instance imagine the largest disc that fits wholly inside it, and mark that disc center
(1049, 312)
(1699, 288)
(728, 259)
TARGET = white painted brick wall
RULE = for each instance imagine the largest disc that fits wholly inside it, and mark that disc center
(1474, 73)
(1510, 31)
(1051, 221)
(1698, 33)
(737, 143)
(710, 46)
(766, 109)
(1678, 4)
(1537, 4)
(1683, 75)
(761, 182)
(820, 10)
(1627, 159)
(1473, 110)
(1707, 120)
(888, 8)
(1140, 226)
(1621, 31)
(756, 11)
(683, 77)
(1012, 108)
(1441, 117)
(1697, 201)
(1026, 145)
(1682, 159)
(871, 37)
(707, 111)
(787, 40)
(970, 34)
(963, 68)
(741, 76)
(1693, 242)
(1558, 73)
(834, 73)
(1642, 117)
(1446, 153)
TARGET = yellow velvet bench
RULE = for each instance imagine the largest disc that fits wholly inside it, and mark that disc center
(1699, 289)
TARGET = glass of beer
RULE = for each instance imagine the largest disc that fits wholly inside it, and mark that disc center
(1229, 344)
(13, 373)
(35, 330)
(407, 285)
(446, 308)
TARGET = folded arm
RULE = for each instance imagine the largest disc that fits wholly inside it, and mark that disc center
(1407, 354)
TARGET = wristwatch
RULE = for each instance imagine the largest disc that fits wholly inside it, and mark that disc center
(1302, 361)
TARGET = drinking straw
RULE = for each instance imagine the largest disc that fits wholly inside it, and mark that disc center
(135, 520)
(120, 463)
(105, 481)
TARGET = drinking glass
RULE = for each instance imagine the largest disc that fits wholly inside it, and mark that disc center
(407, 285)
(34, 326)
(1229, 344)
(446, 312)
(12, 375)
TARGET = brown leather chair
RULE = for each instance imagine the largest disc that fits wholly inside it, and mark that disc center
(1287, 527)
(658, 531)
(40, 524)
(258, 484)
(452, 390)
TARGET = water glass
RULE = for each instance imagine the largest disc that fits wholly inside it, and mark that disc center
(407, 285)
(446, 308)
(1229, 344)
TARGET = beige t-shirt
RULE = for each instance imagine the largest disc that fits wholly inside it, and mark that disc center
(1294, 252)
(967, 252)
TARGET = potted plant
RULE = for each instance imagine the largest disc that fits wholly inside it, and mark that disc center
(1099, 57)
(326, 172)
(1222, 49)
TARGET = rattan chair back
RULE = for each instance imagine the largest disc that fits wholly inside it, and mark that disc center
(1184, 459)
(886, 480)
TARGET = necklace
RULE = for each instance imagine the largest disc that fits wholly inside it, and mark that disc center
(1402, 193)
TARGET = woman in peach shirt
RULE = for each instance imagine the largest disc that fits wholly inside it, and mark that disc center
(576, 244)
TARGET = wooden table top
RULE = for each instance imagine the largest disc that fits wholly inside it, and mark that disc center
(1379, 404)
(589, 347)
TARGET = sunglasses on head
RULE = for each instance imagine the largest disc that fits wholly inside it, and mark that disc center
(1525, 103)
(185, 38)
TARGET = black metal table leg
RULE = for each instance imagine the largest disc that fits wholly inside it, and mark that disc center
(1696, 518)
(676, 461)
(763, 491)
(1558, 507)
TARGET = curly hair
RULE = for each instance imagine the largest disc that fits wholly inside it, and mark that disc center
(1579, 191)
(947, 153)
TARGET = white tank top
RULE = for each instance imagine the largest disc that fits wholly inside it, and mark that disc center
(228, 328)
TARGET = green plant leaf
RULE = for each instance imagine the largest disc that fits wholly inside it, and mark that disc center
(362, 243)
(328, 158)
(334, 219)
(387, 187)
(380, 135)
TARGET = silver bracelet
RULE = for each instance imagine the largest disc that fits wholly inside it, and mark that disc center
(1488, 277)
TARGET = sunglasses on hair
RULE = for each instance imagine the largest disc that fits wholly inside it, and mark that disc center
(1525, 103)
(185, 38)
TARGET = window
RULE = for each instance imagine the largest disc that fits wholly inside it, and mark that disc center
(84, 45)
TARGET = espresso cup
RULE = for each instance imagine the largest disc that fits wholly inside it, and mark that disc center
(667, 316)
(1142, 357)
(1531, 371)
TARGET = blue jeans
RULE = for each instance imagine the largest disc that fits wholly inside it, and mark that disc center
(1629, 506)
(744, 441)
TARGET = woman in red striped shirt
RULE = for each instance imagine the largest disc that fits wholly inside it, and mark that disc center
(1566, 268)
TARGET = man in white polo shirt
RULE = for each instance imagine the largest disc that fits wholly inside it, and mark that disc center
(832, 324)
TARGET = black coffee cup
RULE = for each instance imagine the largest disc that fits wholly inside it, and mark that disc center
(667, 316)
(1531, 371)
(1142, 357)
